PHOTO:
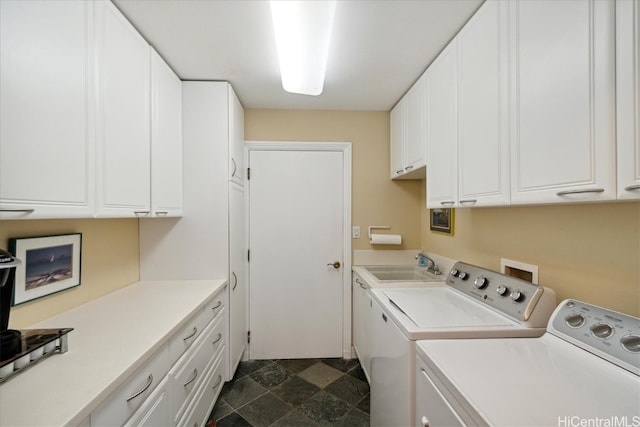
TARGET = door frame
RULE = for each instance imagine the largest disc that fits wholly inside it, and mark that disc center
(345, 149)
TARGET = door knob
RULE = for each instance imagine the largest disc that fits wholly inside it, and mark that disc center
(335, 264)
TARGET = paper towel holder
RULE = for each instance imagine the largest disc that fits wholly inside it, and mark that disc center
(379, 227)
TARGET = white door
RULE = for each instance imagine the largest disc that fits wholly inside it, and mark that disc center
(296, 226)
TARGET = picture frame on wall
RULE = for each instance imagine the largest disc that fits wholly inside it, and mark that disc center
(50, 264)
(441, 220)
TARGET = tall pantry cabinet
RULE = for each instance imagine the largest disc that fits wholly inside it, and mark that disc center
(208, 241)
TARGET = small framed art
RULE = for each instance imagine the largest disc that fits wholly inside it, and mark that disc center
(441, 220)
(50, 264)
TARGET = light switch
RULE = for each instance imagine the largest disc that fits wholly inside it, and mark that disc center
(355, 232)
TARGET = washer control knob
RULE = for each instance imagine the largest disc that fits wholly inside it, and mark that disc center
(517, 296)
(601, 330)
(631, 342)
(502, 290)
(575, 320)
(463, 275)
(481, 282)
(455, 272)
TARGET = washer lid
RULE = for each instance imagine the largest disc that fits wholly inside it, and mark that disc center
(533, 381)
(443, 308)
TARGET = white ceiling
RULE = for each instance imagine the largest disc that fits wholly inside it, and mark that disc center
(378, 48)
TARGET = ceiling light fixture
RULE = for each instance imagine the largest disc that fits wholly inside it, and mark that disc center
(303, 34)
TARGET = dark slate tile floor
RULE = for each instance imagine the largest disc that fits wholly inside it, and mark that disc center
(294, 393)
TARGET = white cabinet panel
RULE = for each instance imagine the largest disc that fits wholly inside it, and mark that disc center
(483, 128)
(563, 109)
(236, 139)
(166, 139)
(442, 141)
(123, 118)
(46, 136)
(362, 324)
(628, 98)
(155, 411)
(408, 134)
(238, 287)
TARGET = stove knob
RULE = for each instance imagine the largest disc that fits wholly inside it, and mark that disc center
(502, 290)
(517, 296)
(455, 272)
(463, 275)
(575, 320)
(481, 282)
(601, 330)
(631, 342)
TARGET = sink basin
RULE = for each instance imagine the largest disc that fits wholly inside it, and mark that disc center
(403, 273)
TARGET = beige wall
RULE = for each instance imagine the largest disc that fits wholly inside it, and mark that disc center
(589, 252)
(376, 200)
(109, 261)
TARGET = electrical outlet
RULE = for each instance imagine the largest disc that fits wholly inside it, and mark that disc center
(355, 233)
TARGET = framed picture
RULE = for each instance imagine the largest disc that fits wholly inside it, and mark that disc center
(441, 220)
(50, 264)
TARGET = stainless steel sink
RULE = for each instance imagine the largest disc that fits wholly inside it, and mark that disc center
(403, 273)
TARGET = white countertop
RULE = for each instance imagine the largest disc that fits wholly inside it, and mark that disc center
(112, 337)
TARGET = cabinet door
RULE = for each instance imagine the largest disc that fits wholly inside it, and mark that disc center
(442, 173)
(166, 139)
(483, 128)
(46, 136)
(362, 325)
(397, 135)
(628, 98)
(123, 121)
(238, 291)
(563, 112)
(155, 411)
(415, 142)
(236, 139)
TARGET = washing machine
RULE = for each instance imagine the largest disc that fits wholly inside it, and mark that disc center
(474, 303)
(584, 371)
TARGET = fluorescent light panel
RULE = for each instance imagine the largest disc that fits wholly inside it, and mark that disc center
(303, 34)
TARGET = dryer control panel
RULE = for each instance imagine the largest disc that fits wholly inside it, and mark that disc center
(609, 334)
(523, 301)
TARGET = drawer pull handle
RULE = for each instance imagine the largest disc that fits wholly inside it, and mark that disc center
(195, 375)
(449, 203)
(217, 306)
(162, 213)
(408, 168)
(142, 390)
(468, 201)
(217, 339)
(398, 172)
(632, 187)
(361, 285)
(235, 281)
(235, 167)
(424, 421)
(18, 210)
(217, 382)
(595, 190)
(193, 334)
(141, 213)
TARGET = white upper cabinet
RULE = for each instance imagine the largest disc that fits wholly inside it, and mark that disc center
(442, 141)
(46, 132)
(563, 112)
(236, 138)
(408, 134)
(628, 98)
(483, 102)
(123, 117)
(166, 139)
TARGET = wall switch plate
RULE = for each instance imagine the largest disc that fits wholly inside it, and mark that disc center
(355, 232)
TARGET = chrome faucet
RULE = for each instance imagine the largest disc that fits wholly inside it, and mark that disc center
(431, 264)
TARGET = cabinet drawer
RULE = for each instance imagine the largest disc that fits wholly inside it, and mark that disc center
(123, 402)
(186, 376)
(190, 332)
(197, 414)
(155, 410)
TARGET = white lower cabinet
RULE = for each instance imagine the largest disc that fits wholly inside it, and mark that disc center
(180, 381)
(155, 410)
(362, 324)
